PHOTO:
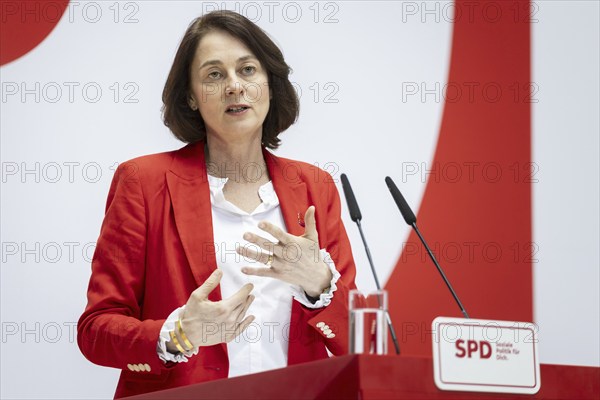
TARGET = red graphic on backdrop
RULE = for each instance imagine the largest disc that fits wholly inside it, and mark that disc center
(476, 209)
(25, 24)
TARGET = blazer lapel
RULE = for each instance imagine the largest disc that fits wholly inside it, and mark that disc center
(291, 191)
(190, 196)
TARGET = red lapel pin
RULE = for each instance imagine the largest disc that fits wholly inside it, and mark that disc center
(301, 220)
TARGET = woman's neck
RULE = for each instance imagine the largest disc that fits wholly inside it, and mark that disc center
(241, 162)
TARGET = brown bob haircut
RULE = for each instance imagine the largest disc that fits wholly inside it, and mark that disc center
(187, 125)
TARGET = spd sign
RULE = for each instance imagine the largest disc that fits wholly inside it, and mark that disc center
(485, 356)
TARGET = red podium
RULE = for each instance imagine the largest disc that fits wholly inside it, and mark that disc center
(373, 377)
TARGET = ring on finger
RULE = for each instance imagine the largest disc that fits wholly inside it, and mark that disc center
(269, 261)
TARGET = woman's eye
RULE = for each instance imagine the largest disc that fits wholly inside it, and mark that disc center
(214, 75)
(248, 70)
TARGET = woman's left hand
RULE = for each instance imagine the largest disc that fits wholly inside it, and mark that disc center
(293, 259)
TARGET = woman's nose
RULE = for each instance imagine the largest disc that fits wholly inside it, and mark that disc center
(233, 86)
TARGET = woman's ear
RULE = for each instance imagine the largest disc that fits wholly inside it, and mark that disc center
(192, 103)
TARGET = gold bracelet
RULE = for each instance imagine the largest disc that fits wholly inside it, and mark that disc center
(186, 341)
(176, 342)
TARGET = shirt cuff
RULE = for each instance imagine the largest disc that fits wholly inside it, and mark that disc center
(324, 298)
(164, 337)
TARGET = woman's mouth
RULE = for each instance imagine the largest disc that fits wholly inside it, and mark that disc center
(236, 109)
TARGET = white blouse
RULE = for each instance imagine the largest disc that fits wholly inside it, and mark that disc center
(264, 344)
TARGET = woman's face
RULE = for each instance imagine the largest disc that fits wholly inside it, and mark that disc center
(229, 87)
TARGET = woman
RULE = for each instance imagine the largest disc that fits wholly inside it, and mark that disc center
(219, 259)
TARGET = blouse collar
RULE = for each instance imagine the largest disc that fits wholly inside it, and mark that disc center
(266, 193)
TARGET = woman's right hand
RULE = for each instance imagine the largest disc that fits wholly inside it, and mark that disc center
(207, 323)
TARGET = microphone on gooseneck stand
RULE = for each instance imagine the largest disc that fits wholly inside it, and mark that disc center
(411, 220)
(356, 216)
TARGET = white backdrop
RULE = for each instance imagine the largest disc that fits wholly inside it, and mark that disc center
(89, 97)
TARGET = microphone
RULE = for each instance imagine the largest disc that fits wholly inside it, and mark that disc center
(407, 213)
(356, 216)
(411, 220)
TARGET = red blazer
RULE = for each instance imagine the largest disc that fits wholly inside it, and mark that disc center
(156, 246)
